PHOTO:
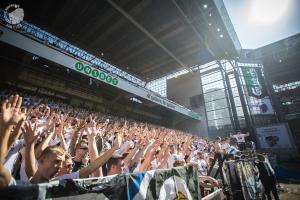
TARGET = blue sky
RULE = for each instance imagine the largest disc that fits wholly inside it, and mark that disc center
(261, 22)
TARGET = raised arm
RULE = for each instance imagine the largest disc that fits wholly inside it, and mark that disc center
(92, 134)
(148, 158)
(40, 148)
(10, 116)
(30, 137)
(86, 171)
(15, 134)
(60, 134)
(127, 161)
(92, 145)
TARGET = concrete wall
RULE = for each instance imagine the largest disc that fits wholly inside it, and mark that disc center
(180, 89)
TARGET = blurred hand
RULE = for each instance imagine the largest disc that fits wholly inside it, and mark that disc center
(92, 127)
(30, 134)
(12, 113)
(118, 141)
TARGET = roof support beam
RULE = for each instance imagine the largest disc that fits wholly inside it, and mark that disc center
(148, 34)
(186, 19)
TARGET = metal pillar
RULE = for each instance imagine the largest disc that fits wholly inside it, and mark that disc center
(229, 99)
(232, 103)
(241, 94)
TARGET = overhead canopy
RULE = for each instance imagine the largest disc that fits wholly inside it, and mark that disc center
(281, 60)
(146, 38)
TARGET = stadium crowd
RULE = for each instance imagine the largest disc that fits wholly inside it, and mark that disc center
(42, 140)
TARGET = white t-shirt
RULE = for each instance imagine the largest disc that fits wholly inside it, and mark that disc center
(12, 155)
(225, 146)
(54, 141)
(41, 125)
(202, 166)
(240, 138)
(154, 164)
(23, 175)
(68, 135)
(171, 160)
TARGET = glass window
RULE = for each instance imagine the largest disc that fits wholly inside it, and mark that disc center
(217, 114)
(208, 66)
(219, 123)
(213, 87)
(216, 104)
(212, 77)
(237, 101)
(158, 86)
(239, 111)
(232, 82)
(214, 94)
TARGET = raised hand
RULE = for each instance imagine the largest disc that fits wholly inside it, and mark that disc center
(92, 127)
(118, 141)
(30, 135)
(11, 111)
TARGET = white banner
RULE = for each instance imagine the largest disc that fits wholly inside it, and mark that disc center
(276, 136)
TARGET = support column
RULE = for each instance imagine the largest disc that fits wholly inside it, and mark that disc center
(229, 99)
(232, 103)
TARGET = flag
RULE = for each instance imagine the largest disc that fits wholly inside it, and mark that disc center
(254, 81)
(176, 183)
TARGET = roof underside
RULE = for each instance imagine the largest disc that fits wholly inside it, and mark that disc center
(100, 29)
(281, 60)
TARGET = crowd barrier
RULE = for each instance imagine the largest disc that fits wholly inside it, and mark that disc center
(239, 177)
(176, 183)
(180, 183)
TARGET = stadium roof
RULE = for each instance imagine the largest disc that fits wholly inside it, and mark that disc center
(146, 38)
(281, 60)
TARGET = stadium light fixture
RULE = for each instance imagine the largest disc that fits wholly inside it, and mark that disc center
(218, 29)
(221, 35)
(267, 12)
(205, 6)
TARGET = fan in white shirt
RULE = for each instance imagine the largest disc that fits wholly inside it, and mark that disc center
(240, 138)
(202, 164)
